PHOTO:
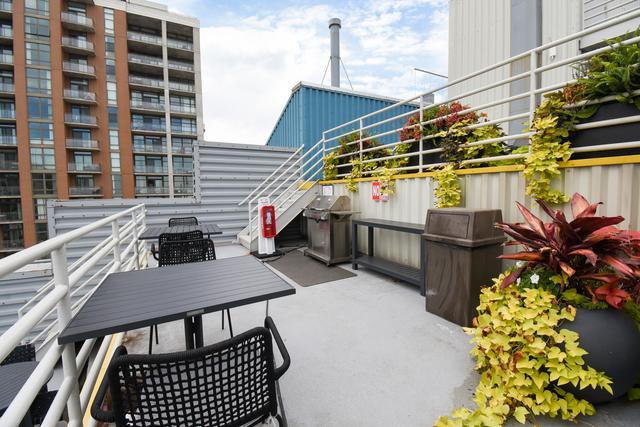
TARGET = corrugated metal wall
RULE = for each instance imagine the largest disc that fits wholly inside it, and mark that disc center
(559, 19)
(616, 186)
(312, 110)
(598, 11)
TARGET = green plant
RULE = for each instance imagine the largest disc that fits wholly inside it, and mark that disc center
(524, 356)
(588, 254)
(356, 172)
(448, 192)
(615, 72)
(331, 166)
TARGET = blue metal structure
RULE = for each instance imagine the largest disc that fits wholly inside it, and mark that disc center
(312, 109)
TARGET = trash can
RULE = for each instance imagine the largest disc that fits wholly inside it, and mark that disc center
(462, 246)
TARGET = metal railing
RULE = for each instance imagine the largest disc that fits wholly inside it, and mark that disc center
(150, 148)
(6, 32)
(149, 127)
(80, 95)
(85, 191)
(8, 140)
(152, 190)
(146, 59)
(183, 87)
(86, 119)
(55, 304)
(180, 65)
(84, 167)
(146, 105)
(7, 113)
(74, 18)
(6, 6)
(12, 244)
(78, 68)
(184, 129)
(177, 149)
(7, 87)
(182, 169)
(86, 144)
(15, 216)
(179, 44)
(8, 164)
(185, 109)
(6, 58)
(150, 169)
(145, 81)
(9, 190)
(77, 43)
(143, 37)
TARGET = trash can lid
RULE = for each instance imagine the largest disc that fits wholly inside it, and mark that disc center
(463, 227)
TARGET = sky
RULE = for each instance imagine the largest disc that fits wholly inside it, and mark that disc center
(254, 52)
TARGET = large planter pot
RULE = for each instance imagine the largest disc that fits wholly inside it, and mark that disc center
(608, 134)
(613, 342)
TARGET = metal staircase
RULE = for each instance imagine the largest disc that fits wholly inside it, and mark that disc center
(290, 187)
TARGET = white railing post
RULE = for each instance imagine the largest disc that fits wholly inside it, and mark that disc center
(421, 141)
(360, 139)
(136, 248)
(533, 84)
(61, 278)
(250, 227)
(115, 234)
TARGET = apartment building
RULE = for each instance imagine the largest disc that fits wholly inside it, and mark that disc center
(98, 99)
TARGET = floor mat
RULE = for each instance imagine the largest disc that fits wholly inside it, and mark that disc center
(307, 271)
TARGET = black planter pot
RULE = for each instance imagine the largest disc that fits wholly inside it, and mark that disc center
(612, 341)
(607, 135)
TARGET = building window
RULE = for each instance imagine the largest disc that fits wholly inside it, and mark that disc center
(38, 54)
(113, 117)
(114, 140)
(112, 95)
(110, 46)
(44, 184)
(183, 184)
(11, 236)
(182, 165)
(43, 158)
(116, 180)
(40, 133)
(38, 81)
(7, 109)
(10, 210)
(109, 21)
(111, 69)
(39, 108)
(182, 125)
(81, 134)
(36, 28)
(85, 181)
(37, 7)
(40, 208)
(115, 162)
(42, 232)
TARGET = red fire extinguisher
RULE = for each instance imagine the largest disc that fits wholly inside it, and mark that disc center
(268, 219)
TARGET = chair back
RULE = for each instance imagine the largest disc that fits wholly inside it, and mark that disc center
(186, 251)
(186, 220)
(187, 235)
(21, 353)
(225, 384)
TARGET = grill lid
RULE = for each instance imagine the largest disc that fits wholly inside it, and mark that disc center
(330, 203)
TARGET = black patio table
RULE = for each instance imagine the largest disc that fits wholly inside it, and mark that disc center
(139, 298)
(153, 233)
(12, 377)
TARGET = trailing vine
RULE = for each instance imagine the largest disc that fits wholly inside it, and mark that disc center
(448, 191)
(331, 166)
(524, 357)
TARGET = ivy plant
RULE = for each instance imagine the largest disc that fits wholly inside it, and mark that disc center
(448, 191)
(524, 356)
(331, 166)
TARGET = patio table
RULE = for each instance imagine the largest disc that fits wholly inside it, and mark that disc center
(13, 377)
(153, 233)
(139, 298)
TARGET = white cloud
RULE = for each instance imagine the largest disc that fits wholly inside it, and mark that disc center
(251, 62)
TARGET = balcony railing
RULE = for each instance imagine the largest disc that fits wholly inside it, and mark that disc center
(187, 130)
(183, 87)
(182, 169)
(60, 299)
(12, 244)
(9, 190)
(8, 164)
(85, 191)
(179, 44)
(144, 81)
(183, 190)
(84, 167)
(78, 68)
(85, 144)
(184, 109)
(149, 127)
(145, 38)
(145, 105)
(152, 190)
(10, 216)
(150, 169)
(82, 95)
(6, 113)
(6, 58)
(76, 20)
(145, 59)
(182, 66)
(150, 148)
(176, 149)
(76, 43)
(7, 87)
(85, 119)
(6, 6)
(8, 140)
(6, 32)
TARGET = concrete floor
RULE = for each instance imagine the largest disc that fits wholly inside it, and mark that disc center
(364, 353)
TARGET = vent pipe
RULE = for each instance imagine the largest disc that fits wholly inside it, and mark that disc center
(334, 30)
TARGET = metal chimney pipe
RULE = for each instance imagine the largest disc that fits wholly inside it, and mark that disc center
(334, 30)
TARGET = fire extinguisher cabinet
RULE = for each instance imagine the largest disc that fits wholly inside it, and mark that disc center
(462, 246)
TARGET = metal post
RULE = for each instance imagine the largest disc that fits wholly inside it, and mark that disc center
(61, 280)
(250, 228)
(136, 249)
(421, 142)
(360, 142)
(533, 85)
(115, 234)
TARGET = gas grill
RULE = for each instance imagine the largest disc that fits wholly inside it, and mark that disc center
(329, 229)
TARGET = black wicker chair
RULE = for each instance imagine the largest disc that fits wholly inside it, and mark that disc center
(170, 237)
(186, 251)
(229, 384)
(21, 353)
(187, 220)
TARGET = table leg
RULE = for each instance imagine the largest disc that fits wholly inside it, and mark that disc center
(354, 245)
(370, 241)
(189, 333)
(198, 331)
(229, 319)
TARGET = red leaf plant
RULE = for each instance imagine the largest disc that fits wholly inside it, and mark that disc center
(587, 250)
